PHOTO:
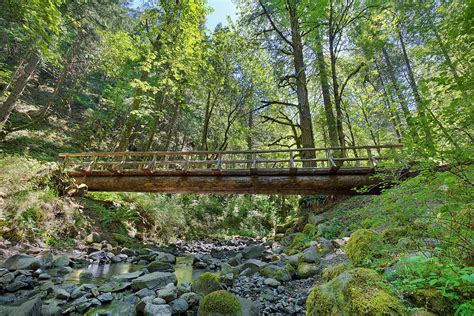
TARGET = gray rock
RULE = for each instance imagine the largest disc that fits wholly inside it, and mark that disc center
(127, 276)
(153, 280)
(51, 309)
(191, 298)
(272, 282)
(105, 297)
(169, 293)
(31, 307)
(61, 294)
(282, 274)
(160, 266)
(22, 262)
(128, 252)
(140, 307)
(158, 301)
(253, 264)
(44, 276)
(306, 270)
(253, 251)
(249, 308)
(7, 278)
(311, 255)
(157, 310)
(184, 288)
(61, 261)
(247, 272)
(165, 257)
(227, 268)
(235, 261)
(144, 293)
(15, 286)
(179, 306)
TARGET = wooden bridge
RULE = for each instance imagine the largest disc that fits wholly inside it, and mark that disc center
(335, 170)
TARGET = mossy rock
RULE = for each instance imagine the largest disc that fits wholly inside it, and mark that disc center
(359, 291)
(220, 303)
(432, 300)
(298, 243)
(363, 245)
(306, 270)
(392, 235)
(206, 283)
(334, 271)
(282, 274)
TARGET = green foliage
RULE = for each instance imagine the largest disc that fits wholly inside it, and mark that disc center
(219, 303)
(427, 280)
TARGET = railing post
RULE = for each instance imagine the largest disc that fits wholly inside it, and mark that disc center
(254, 161)
(292, 161)
(371, 159)
(219, 162)
(333, 167)
(91, 164)
(152, 164)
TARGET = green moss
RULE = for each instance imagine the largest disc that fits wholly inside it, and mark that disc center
(308, 228)
(220, 303)
(280, 273)
(206, 283)
(297, 244)
(363, 245)
(334, 271)
(432, 300)
(356, 292)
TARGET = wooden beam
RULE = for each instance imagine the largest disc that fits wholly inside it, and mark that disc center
(261, 184)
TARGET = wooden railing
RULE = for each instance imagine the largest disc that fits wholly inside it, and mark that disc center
(331, 158)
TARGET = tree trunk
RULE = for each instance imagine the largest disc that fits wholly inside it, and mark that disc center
(130, 120)
(394, 114)
(420, 103)
(24, 76)
(207, 118)
(323, 78)
(307, 137)
(398, 92)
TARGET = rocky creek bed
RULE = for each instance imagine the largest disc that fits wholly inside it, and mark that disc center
(99, 279)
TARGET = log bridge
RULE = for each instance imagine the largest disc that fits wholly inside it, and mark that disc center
(332, 170)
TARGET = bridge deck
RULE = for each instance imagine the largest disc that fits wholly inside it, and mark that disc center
(288, 171)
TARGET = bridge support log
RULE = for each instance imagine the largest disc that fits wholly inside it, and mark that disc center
(334, 184)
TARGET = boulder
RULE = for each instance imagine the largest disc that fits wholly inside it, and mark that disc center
(253, 251)
(253, 264)
(165, 257)
(206, 283)
(61, 261)
(160, 266)
(272, 282)
(282, 274)
(127, 276)
(191, 298)
(220, 303)
(105, 297)
(363, 245)
(153, 280)
(179, 306)
(168, 293)
(51, 309)
(311, 255)
(334, 271)
(157, 310)
(22, 262)
(306, 270)
(356, 292)
(227, 268)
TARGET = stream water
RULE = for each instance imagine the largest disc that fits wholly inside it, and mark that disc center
(102, 273)
(122, 304)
